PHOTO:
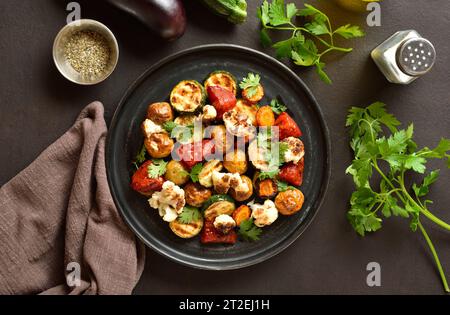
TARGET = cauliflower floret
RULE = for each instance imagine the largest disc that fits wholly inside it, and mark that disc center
(224, 223)
(169, 201)
(296, 150)
(224, 181)
(239, 124)
(209, 113)
(264, 214)
(150, 128)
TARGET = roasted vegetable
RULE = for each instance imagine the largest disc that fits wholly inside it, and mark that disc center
(160, 112)
(247, 108)
(236, 162)
(176, 173)
(188, 96)
(143, 184)
(223, 141)
(210, 235)
(242, 196)
(218, 208)
(185, 119)
(289, 202)
(265, 117)
(216, 198)
(292, 173)
(241, 214)
(196, 195)
(222, 99)
(234, 10)
(223, 79)
(186, 230)
(193, 153)
(287, 126)
(205, 175)
(159, 145)
(267, 188)
(252, 90)
(165, 17)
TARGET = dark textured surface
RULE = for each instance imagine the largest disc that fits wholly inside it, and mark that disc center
(38, 105)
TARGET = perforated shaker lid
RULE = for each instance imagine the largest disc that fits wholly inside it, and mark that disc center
(416, 56)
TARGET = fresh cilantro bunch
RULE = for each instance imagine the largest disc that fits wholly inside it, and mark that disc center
(251, 84)
(300, 47)
(396, 154)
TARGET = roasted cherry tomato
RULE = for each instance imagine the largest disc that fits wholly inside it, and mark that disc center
(210, 235)
(287, 126)
(144, 184)
(222, 99)
(292, 173)
(193, 153)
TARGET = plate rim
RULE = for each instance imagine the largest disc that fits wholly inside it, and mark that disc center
(326, 176)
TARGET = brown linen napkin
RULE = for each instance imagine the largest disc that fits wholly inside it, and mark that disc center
(58, 211)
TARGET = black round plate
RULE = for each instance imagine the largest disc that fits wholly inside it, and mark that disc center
(124, 141)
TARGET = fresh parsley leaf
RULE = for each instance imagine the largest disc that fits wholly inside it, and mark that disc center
(349, 31)
(140, 157)
(277, 107)
(373, 146)
(189, 215)
(157, 168)
(169, 126)
(283, 186)
(249, 231)
(268, 174)
(251, 84)
(276, 16)
(195, 172)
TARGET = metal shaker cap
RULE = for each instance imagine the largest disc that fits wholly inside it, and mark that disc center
(416, 56)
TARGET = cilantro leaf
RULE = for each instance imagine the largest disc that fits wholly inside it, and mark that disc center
(140, 157)
(265, 39)
(322, 74)
(195, 172)
(249, 231)
(268, 174)
(157, 168)
(283, 186)
(277, 107)
(189, 215)
(251, 84)
(277, 13)
(423, 189)
(349, 31)
(305, 54)
(317, 27)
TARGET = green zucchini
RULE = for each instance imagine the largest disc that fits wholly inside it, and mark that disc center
(223, 79)
(188, 96)
(216, 198)
(218, 208)
(234, 10)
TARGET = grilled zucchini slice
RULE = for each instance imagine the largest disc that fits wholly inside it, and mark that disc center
(186, 230)
(205, 175)
(216, 198)
(223, 79)
(218, 208)
(188, 96)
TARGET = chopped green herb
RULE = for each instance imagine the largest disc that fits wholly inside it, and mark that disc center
(189, 215)
(195, 172)
(283, 186)
(251, 84)
(140, 157)
(157, 168)
(249, 231)
(277, 107)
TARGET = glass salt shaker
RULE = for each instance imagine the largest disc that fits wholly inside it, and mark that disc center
(404, 57)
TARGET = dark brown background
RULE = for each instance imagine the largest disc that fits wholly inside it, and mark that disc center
(37, 105)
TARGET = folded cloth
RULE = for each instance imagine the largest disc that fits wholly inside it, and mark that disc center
(60, 232)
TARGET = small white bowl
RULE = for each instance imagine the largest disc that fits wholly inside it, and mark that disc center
(64, 66)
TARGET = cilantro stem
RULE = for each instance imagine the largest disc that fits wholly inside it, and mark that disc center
(436, 257)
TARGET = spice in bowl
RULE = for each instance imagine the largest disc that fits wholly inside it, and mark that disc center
(88, 53)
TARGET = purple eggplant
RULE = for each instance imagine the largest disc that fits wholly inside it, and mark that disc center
(165, 17)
